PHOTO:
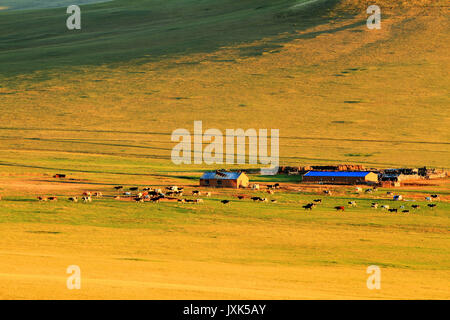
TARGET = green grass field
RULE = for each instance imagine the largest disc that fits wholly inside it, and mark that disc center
(100, 105)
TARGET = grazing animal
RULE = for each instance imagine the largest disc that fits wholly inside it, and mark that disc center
(318, 200)
(352, 203)
(118, 188)
(340, 208)
(405, 211)
(52, 199)
(327, 192)
(225, 201)
(134, 189)
(86, 199)
(415, 206)
(42, 199)
(240, 197)
(196, 193)
(60, 176)
(270, 191)
(274, 201)
(139, 199)
(384, 206)
(393, 210)
(73, 199)
(276, 186)
(435, 196)
(374, 205)
(87, 194)
(309, 206)
(263, 199)
(208, 194)
(432, 205)
(98, 194)
(181, 200)
(368, 191)
(255, 198)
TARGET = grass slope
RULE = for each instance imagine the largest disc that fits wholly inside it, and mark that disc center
(123, 30)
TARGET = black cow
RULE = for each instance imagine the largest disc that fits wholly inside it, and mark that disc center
(309, 206)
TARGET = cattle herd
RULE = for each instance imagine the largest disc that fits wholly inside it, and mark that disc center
(175, 194)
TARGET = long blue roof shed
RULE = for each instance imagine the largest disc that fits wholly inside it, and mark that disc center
(341, 177)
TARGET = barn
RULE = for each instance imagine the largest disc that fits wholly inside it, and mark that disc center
(341, 177)
(224, 179)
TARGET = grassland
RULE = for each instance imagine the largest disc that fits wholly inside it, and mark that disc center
(100, 105)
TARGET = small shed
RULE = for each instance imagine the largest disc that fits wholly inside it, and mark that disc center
(224, 179)
(341, 177)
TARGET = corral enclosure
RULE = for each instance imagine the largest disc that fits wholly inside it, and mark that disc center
(100, 106)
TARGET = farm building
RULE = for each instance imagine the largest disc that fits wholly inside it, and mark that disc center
(224, 179)
(341, 177)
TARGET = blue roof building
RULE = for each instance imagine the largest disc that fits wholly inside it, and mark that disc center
(341, 177)
(224, 179)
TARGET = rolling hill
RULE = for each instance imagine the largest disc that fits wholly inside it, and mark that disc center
(100, 105)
